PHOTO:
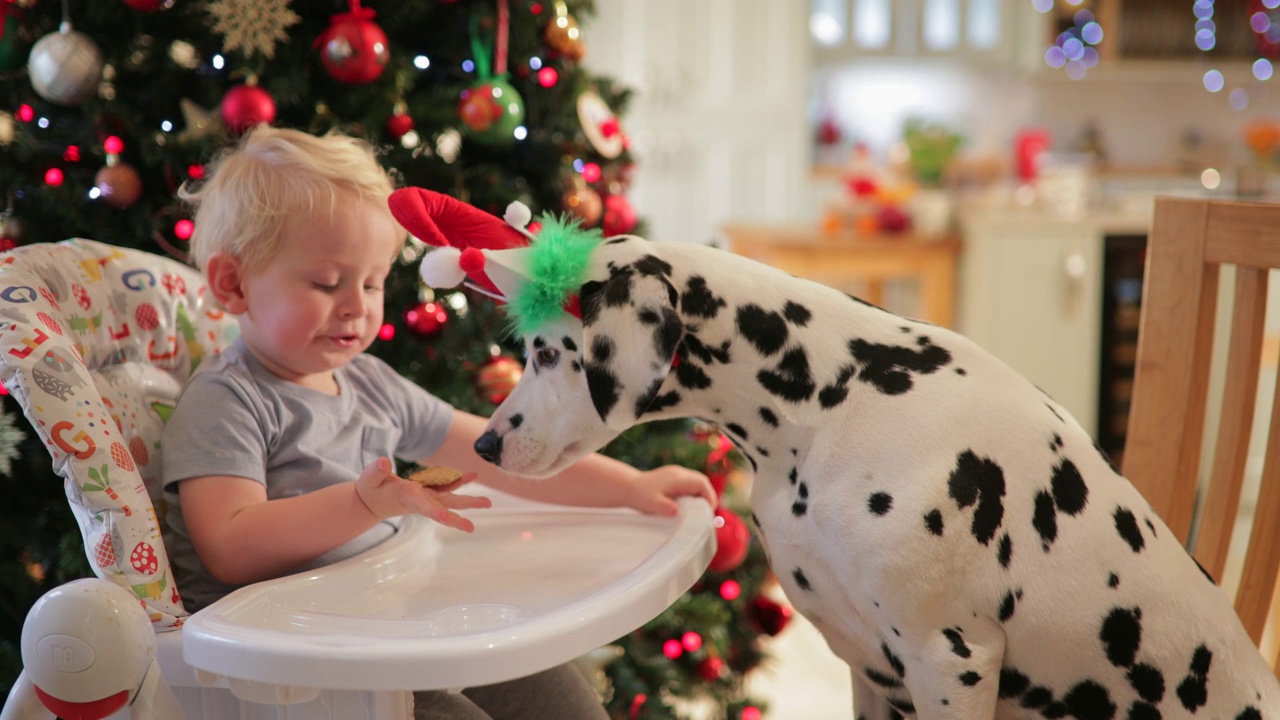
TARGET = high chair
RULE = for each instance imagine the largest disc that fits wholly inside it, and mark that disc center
(96, 342)
(1192, 475)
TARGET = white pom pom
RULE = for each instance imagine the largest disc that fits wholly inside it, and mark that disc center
(518, 215)
(440, 269)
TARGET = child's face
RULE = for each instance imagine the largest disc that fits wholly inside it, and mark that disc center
(318, 302)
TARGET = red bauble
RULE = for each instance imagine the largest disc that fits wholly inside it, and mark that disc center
(398, 125)
(711, 669)
(770, 615)
(426, 319)
(498, 377)
(619, 216)
(245, 106)
(353, 49)
(146, 5)
(732, 541)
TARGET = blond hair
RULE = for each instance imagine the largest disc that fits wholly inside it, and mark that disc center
(273, 176)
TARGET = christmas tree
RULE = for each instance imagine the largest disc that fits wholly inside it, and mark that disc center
(107, 108)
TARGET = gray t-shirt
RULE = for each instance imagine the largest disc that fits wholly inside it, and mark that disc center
(236, 418)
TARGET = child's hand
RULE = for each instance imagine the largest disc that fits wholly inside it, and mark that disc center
(387, 495)
(654, 492)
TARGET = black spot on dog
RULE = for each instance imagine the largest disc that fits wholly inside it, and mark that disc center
(1193, 691)
(1113, 581)
(1121, 635)
(737, 429)
(1140, 710)
(617, 240)
(765, 329)
(1089, 700)
(1250, 713)
(1007, 606)
(1045, 519)
(668, 399)
(793, 475)
(803, 490)
(880, 503)
(698, 301)
(979, 480)
(889, 368)
(614, 293)
(539, 343)
(601, 382)
(799, 508)
(516, 420)
(1150, 526)
(881, 679)
(961, 372)
(1037, 697)
(1147, 681)
(1056, 443)
(646, 398)
(796, 313)
(768, 417)
(692, 377)
(1202, 570)
(1105, 456)
(792, 379)
(1127, 526)
(652, 266)
(693, 345)
(1054, 710)
(970, 678)
(569, 344)
(649, 316)
(763, 452)
(576, 366)
(667, 335)
(958, 645)
(894, 662)
(1012, 683)
(801, 580)
(1006, 551)
(835, 393)
(1069, 490)
(933, 522)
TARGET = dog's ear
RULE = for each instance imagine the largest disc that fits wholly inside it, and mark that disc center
(631, 331)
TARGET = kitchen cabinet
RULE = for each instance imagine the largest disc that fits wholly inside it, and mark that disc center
(1030, 292)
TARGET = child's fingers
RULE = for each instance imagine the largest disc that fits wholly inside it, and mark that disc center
(466, 478)
(463, 502)
(377, 472)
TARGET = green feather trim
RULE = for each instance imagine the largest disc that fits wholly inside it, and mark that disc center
(558, 259)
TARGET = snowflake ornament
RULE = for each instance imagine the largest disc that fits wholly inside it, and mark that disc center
(252, 26)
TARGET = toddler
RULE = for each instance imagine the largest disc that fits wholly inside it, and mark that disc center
(277, 457)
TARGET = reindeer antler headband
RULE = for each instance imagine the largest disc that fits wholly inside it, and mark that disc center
(538, 280)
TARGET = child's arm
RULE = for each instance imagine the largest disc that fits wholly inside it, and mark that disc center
(594, 481)
(242, 537)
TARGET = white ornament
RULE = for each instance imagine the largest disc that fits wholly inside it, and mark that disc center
(65, 66)
(593, 114)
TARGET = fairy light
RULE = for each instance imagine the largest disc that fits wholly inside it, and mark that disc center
(691, 641)
(71, 154)
(1074, 49)
(591, 172)
(183, 229)
(422, 62)
(53, 177)
(730, 590)
(113, 145)
(672, 649)
(548, 77)
(387, 331)
(25, 113)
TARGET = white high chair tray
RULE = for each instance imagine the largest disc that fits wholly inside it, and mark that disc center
(434, 608)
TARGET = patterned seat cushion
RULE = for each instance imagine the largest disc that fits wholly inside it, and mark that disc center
(96, 342)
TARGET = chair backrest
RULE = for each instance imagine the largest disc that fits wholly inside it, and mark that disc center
(96, 342)
(1189, 243)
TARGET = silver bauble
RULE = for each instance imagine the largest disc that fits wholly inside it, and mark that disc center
(65, 66)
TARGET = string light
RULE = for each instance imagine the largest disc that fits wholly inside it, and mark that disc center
(672, 649)
(53, 177)
(25, 113)
(387, 331)
(1075, 48)
(183, 229)
(113, 145)
(548, 77)
(71, 154)
(730, 590)
(591, 172)
(691, 641)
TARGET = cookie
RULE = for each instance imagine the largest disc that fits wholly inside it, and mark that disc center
(436, 476)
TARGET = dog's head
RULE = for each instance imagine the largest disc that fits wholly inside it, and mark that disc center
(586, 380)
(599, 324)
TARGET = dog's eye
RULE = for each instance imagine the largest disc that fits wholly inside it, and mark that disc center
(547, 357)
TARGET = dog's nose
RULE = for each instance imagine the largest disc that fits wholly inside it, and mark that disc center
(489, 447)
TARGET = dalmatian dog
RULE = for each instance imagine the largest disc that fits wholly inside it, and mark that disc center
(956, 536)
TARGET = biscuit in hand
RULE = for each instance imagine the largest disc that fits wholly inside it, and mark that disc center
(436, 476)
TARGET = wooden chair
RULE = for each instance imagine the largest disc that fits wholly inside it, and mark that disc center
(1190, 241)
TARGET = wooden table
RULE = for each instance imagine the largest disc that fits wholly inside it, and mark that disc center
(840, 258)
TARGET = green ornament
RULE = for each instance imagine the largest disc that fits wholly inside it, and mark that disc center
(490, 111)
(11, 49)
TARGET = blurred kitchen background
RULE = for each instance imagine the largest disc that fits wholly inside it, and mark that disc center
(985, 164)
